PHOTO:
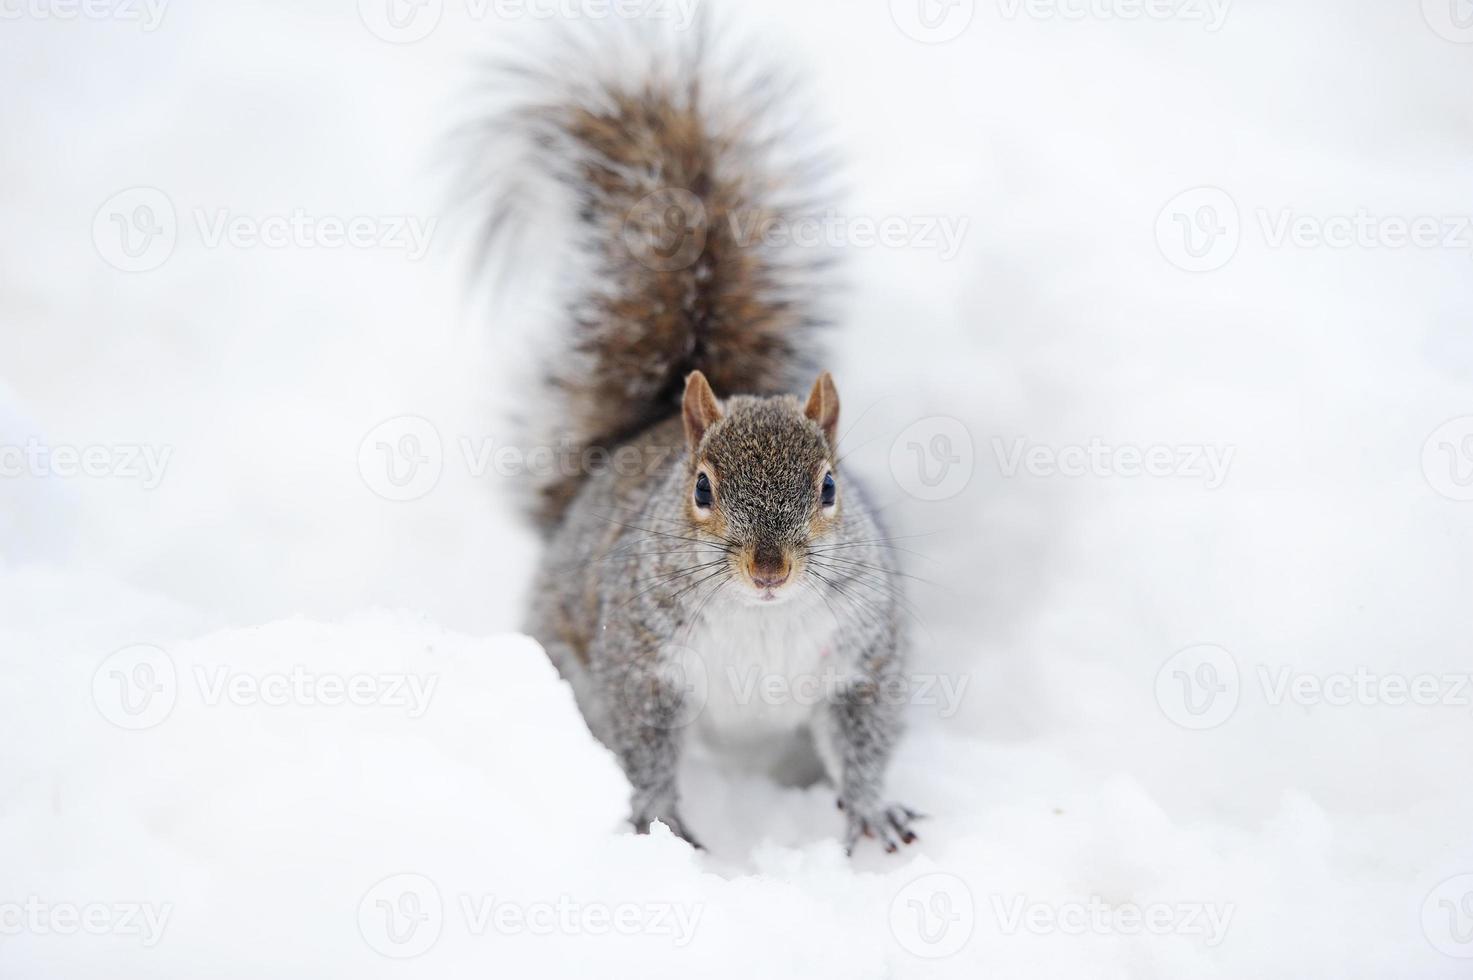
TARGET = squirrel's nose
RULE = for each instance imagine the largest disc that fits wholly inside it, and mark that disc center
(769, 569)
(770, 579)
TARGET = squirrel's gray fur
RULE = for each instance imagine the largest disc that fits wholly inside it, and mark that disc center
(766, 620)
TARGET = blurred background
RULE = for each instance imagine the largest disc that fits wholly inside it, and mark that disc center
(1164, 368)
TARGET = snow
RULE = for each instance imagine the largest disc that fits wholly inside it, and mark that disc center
(356, 738)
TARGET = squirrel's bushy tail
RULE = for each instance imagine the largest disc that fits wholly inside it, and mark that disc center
(696, 204)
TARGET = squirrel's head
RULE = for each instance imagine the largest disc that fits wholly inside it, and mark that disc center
(760, 482)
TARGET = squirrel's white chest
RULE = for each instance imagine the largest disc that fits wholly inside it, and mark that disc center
(766, 671)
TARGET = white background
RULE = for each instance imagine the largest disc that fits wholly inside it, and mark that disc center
(1063, 136)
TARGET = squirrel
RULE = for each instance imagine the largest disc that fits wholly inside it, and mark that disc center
(718, 577)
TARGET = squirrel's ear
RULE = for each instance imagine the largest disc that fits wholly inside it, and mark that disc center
(823, 406)
(699, 408)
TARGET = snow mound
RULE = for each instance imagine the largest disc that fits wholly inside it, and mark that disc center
(382, 797)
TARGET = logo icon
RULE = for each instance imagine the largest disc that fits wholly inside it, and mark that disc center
(1198, 687)
(1447, 459)
(933, 21)
(1447, 917)
(1199, 229)
(402, 459)
(401, 21)
(933, 459)
(136, 229)
(401, 916)
(672, 698)
(136, 687)
(1451, 19)
(933, 917)
(666, 230)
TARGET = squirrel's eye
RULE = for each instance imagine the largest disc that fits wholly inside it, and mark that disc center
(704, 497)
(829, 491)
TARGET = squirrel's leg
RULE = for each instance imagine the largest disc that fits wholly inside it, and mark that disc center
(648, 728)
(855, 736)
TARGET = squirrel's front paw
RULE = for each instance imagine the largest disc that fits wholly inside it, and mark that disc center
(887, 823)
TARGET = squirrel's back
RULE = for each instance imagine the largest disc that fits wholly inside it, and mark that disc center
(686, 183)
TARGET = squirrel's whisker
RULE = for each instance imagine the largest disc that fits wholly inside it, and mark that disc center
(700, 581)
(650, 530)
(884, 588)
(861, 573)
(838, 620)
(695, 617)
(630, 555)
(881, 570)
(666, 579)
(858, 603)
(825, 549)
(852, 426)
(644, 514)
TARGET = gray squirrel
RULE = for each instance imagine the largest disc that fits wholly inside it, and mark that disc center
(716, 577)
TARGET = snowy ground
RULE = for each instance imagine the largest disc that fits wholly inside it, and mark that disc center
(267, 716)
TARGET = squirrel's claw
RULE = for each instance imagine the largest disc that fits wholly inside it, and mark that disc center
(902, 828)
(889, 825)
